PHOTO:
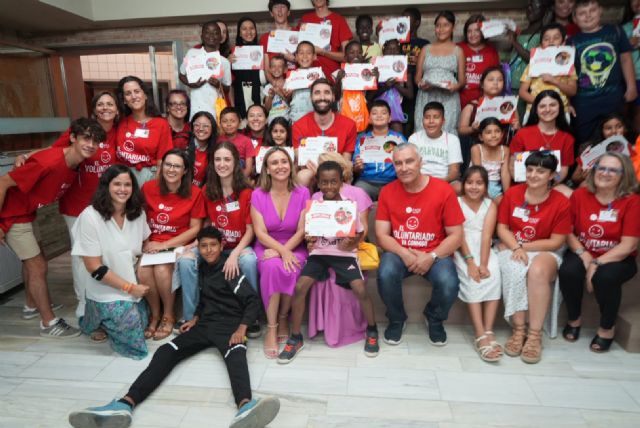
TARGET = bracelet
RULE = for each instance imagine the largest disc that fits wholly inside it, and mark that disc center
(127, 287)
(467, 257)
(519, 247)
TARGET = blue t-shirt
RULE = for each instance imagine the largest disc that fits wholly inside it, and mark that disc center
(376, 172)
(598, 63)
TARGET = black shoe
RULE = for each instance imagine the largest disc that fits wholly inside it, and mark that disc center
(600, 344)
(437, 334)
(393, 333)
(570, 333)
(291, 349)
(371, 345)
(254, 331)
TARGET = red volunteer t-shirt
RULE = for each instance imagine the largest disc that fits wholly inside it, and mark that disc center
(231, 215)
(256, 142)
(340, 32)
(242, 143)
(200, 165)
(181, 138)
(533, 222)
(418, 220)
(600, 227)
(477, 62)
(342, 127)
(169, 215)
(531, 138)
(41, 181)
(143, 145)
(79, 195)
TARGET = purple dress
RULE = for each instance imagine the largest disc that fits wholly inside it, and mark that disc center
(273, 277)
(334, 309)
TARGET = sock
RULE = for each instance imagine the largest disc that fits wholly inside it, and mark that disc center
(29, 308)
(51, 323)
(297, 336)
(372, 327)
(123, 401)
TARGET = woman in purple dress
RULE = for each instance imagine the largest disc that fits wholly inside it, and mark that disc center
(276, 205)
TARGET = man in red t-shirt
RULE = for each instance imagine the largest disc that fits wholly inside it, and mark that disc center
(418, 225)
(329, 59)
(42, 180)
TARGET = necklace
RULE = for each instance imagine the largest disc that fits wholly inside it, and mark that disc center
(547, 141)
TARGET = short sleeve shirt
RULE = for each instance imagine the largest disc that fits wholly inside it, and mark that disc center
(531, 223)
(231, 215)
(340, 32)
(342, 127)
(200, 165)
(437, 153)
(599, 227)
(376, 172)
(531, 138)
(477, 62)
(242, 143)
(141, 145)
(418, 220)
(169, 215)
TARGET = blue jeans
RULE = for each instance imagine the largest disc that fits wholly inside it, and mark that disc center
(442, 276)
(188, 273)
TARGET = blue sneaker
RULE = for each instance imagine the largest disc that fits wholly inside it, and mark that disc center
(437, 334)
(256, 413)
(113, 415)
(393, 333)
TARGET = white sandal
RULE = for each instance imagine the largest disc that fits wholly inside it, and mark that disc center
(484, 351)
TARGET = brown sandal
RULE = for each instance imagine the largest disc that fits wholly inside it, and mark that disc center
(514, 345)
(532, 350)
(150, 331)
(98, 336)
(165, 329)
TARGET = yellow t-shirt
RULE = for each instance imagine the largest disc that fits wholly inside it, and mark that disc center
(537, 85)
(370, 52)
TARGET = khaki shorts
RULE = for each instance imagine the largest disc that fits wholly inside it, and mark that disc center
(22, 241)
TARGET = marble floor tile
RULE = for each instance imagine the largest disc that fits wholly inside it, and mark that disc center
(515, 415)
(8, 384)
(581, 393)
(400, 360)
(213, 416)
(160, 414)
(612, 419)
(393, 383)
(67, 366)
(99, 391)
(508, 365)
(12, 363)
(633, 389)
(48, 409)
(389, 409)
(291, 379)
(485, 388)
(365, 422)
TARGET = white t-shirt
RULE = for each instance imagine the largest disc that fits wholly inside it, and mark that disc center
(118, 248)
(437, 153)
(204, 97)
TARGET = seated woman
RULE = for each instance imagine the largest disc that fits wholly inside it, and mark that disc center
(108, 236)
(227, 199)
(276, 205)
(333, 309)
(533, 224)
(602, 247)
(175, 210)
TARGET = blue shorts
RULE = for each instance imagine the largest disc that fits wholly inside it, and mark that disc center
(495, 189)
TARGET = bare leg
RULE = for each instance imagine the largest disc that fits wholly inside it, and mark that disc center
(475, 313)
(270, 344)
(163, 274)
(542, 272)
(283, 317)
(37, 288)
(299, 299)
(360, 290)
(146, 277)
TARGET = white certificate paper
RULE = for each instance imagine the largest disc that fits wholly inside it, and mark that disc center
(263, 151)
(160, 258)
(248, 58)
(331, 219)
(302, 78)
(312, 147)
(617, 143)
(378, 149)
(358, 77)
(502, 108)
(497, 27)
(282, 41)
(394, 28)
(318, 34)
(556, 61)
(204, 66)
(519, 168)
(391, 66)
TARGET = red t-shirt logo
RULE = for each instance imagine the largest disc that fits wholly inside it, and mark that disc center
(162, 218)
(596, 231)
(222, 220)
(129, 146)
(529, 232)
(105, 157)
(413, 223)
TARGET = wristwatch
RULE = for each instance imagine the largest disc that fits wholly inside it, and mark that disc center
(434, 256)
(580, 251)
(596, 262)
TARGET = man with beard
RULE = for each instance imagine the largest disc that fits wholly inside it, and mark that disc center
(324, 122)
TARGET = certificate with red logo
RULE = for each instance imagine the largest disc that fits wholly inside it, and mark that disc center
(358, 77)
(520, 170)
(302, 78)
(378, 149)
(248, 58)
(497, 27)
(203, 67)
(502, 108)
(556, 61)
(312, 147)
(161, 257)
(318, 34)
(391, 67)
(394, 28)
(282, 41)
(331, 219)
(616, 143)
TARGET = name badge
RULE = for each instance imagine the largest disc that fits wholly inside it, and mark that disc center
(477, 58)
(608, 215)
(523, 213)
(141, 133)
(232, 206)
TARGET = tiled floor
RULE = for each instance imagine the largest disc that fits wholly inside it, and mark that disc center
(411, 385)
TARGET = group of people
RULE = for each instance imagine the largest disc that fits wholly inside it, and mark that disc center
(131, 183)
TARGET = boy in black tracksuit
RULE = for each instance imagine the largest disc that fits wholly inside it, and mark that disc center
(225, 310)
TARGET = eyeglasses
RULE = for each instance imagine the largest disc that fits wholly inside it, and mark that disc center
(608, 170)
(170, 166)
(181, 105)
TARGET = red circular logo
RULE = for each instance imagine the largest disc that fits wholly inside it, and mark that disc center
(162, 218)
(128, 146)
(222, 220)
(529, 232)
(596, 231)
(105, 157)
(413, 223)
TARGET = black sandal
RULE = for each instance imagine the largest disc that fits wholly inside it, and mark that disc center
(602, 344)
(570, 333)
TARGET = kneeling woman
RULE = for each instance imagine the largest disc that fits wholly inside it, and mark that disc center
(108, 235)
(175, 210)
(602, 246)
(533, 224)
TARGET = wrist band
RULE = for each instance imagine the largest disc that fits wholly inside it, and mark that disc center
(519, 247)
(99, 273)
(468, 257)
(127, 287)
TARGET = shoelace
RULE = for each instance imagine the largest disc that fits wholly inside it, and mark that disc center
(372, 340)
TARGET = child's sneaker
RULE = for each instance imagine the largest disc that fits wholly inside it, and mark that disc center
(31, 313)
(60, 330)
(256, 413)
(114, 415)
(254, 331)
(371, 346)
(291, 349)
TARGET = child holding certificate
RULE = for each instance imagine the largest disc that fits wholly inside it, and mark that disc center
(353, 103)
(492, 155)
(339, 254)
(275, 97)
(551, 35)
(300, 99)
(364, 31)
